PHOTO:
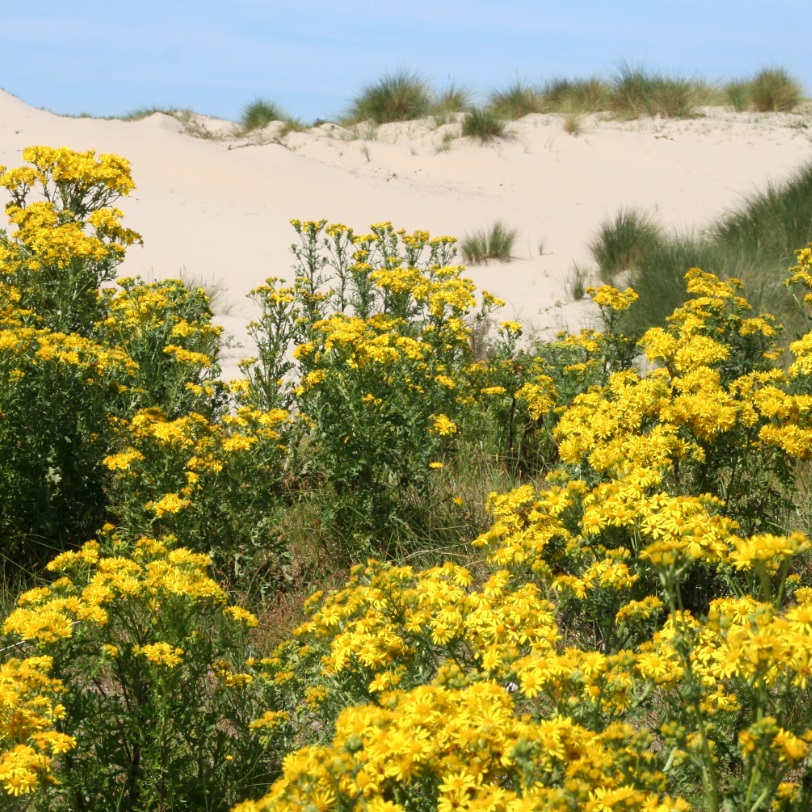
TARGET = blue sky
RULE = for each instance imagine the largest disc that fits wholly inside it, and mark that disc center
(215, 56)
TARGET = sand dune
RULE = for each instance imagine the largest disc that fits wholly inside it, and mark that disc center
(217, 208)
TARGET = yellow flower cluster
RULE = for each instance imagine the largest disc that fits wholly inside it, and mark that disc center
(166, 466)
(160, 654)
(493, 693)
(29, 710)
(470, 745)
(76, 185)
(92, 583)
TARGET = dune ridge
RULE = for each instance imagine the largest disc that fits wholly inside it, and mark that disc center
(215, 205)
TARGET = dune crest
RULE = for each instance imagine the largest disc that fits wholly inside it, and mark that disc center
(215, 205)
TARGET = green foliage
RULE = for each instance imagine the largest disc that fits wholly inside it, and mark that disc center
(112, 404)
(636, 92)
(369, 316)
(753, 243)
(575, 95)
(769, 90)
(516, 101)
(620, 599)
(634, 625)
(496, 242)
(483, 124)
(573, 124)
(576, 282)
(154, 690)
(774, 90)
(454, 99)
(658, 278)
(56, 377)
(621, 243)
(399, 96)
(738, 95)
(259, 113)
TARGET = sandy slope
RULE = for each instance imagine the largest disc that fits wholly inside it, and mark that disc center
(218, 208)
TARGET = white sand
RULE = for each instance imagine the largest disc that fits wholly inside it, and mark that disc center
(218, 209)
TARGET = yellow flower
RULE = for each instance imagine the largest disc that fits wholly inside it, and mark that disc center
(612, 298)
(443, 426)
(242, 615)
(160, 654)
(168, 504)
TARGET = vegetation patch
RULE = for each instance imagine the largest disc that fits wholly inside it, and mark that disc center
(622, 242)
(399, 96)
(516, 101)
(567, 583)
(752, 243)
(496, 242)
(484, 125)
(261, 112)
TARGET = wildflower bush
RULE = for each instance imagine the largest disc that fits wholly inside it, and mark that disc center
(145, 656)
(370, 347)
(57, 378)
(644, 637)
(631, 631)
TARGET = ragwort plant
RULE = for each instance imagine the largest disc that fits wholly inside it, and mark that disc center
(78, 353)
(145, 657)
(368, 347)
(57, 377)
(640, 643)
(638, 637)
(125, 684)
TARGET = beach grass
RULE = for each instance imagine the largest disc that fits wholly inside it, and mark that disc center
(495, 242)
(183, 114)
(636, 92)
(577, 281)
(564, 95)
(573, 124)
(774, 90)
(400, 96)
(453, 99)
(754, 243)
(516, 101)
(261, 112)
(622, 241)
(483, 124)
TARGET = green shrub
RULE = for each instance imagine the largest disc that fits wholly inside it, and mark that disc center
(156, 700)
(496, 242)
(57, 380)
(394, 317)
(638, 604)
(483, 124)
(400, 96)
